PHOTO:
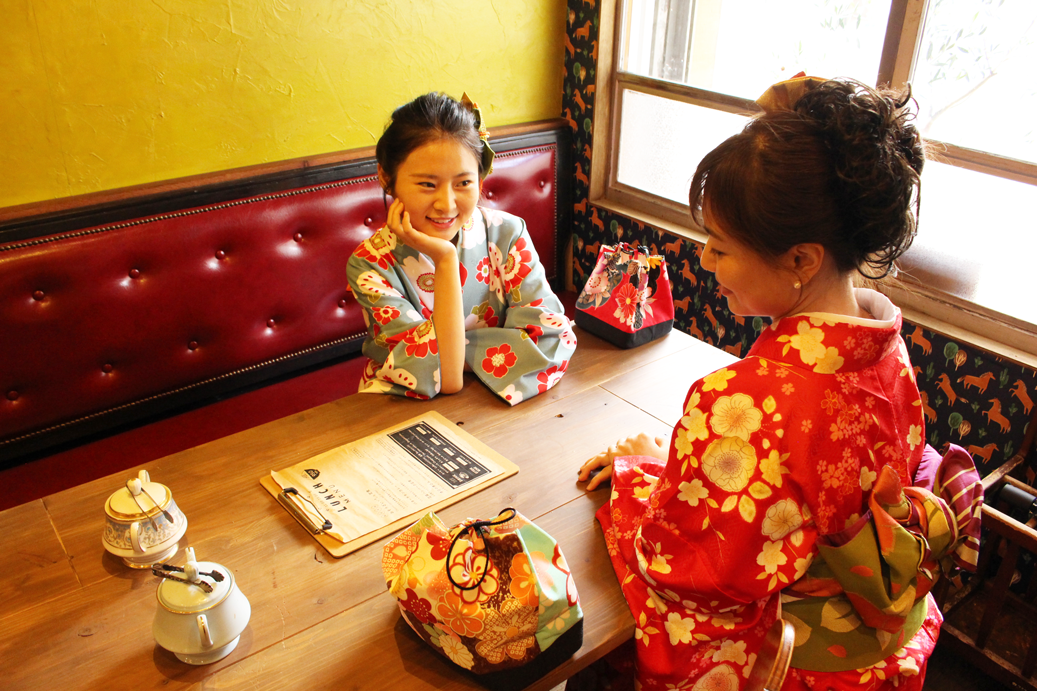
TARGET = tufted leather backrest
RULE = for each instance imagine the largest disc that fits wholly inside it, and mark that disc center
(523, 183)
(104, 324)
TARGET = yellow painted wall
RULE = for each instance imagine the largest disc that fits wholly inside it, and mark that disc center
(100, 94)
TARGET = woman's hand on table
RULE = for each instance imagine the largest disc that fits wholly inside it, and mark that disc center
(641, 445)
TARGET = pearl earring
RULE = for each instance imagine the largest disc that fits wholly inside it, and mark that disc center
(797, 285)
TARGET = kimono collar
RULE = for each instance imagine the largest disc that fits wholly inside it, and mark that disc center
(831, 343)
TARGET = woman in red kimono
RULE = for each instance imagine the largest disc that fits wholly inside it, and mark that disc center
(795, 484)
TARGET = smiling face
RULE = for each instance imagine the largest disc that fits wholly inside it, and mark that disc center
(438, 184)
(754, 285)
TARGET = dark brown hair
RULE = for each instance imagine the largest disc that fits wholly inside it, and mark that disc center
(425, 119)
(841, 169)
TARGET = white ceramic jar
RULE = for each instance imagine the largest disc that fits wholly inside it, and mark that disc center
(197, 626)
(144, 524)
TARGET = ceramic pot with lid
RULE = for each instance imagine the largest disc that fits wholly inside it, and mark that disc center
(144, 524)
(201, 611)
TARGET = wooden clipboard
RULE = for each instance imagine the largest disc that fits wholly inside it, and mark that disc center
(339, 549)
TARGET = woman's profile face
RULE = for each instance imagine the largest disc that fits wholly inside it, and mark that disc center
(754, 285)
(438, 184)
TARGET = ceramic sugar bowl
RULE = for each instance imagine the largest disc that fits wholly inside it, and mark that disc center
(144, 524)
(201, 612)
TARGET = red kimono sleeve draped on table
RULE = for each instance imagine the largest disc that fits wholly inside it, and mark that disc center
(771, 454)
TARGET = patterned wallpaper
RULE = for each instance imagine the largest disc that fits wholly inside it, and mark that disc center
(971, 397)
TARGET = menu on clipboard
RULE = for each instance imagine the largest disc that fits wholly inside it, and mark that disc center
(357, 493)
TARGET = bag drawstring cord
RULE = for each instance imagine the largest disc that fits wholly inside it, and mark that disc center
(477, 528)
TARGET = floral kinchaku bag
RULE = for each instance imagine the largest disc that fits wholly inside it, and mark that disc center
(492, 596)
(627, 299)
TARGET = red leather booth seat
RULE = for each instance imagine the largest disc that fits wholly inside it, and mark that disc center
(109, 316)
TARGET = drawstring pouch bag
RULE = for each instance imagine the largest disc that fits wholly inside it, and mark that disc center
(627, 299)
(495, 597)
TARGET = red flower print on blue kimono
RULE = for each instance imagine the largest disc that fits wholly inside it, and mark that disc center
(515, 327)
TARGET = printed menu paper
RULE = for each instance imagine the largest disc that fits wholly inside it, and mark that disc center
(380, 484)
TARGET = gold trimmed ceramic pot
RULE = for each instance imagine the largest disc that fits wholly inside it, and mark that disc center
(201, 612)
(144, 525)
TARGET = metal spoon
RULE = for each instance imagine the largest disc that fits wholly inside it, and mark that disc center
(200, 583)
(136, 484)
(214, 574)
(164, 512)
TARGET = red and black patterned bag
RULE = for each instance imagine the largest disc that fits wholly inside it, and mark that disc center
(627, 299)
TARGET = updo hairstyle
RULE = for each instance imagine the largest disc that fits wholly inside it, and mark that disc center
(841, 169)
(425, 119)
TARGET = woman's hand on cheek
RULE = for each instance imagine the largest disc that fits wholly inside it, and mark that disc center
(399, 223)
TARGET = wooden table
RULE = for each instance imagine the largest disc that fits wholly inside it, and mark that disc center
(73, 616)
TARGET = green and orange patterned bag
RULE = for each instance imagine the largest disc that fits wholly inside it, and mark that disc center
(495, 597)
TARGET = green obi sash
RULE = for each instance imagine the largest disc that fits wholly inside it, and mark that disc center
(864, 596)
(877, 611)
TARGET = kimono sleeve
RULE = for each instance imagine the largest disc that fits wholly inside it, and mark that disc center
(723, 525)
(529, 352)
(401, 340)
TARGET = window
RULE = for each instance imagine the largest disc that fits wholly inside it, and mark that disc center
(685, 73)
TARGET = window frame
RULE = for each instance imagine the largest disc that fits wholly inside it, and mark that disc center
(934, 309)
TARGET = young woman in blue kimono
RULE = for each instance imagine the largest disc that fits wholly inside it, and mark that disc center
(447, 285)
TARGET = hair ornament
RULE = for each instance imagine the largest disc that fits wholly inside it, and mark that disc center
(484, 134)
(783, 95)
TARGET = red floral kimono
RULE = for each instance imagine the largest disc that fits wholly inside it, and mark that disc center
(777, 460)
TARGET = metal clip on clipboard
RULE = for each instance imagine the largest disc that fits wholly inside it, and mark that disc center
(288, 498)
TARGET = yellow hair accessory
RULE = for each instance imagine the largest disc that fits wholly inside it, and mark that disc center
(783, 95)
(484, 134)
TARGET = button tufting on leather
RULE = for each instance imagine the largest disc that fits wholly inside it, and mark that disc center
(107, 368)
(542, 183)
(134, 273)
(489, 194)
(368, 221)
(221, 255)
(193, 345)
(297, 237)
(38, 295)
(12, 395)
(342, 303)
(270, 323)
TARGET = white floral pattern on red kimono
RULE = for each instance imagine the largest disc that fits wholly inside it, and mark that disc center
(771, 452)
(518, 339)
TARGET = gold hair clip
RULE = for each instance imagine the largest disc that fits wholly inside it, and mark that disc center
(783, 95)
(484, 134)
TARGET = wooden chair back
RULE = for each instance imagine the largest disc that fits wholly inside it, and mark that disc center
(1000, 640)
(772, 660)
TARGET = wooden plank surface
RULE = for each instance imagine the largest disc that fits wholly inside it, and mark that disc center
(206, 481)
(372, 636)
(33, 563)
(659, 387)
(292, 583)
(78, 608)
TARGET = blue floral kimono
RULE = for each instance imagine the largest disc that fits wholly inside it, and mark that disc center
(518, 340)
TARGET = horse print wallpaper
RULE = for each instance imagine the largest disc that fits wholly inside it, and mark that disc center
(970, 397)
